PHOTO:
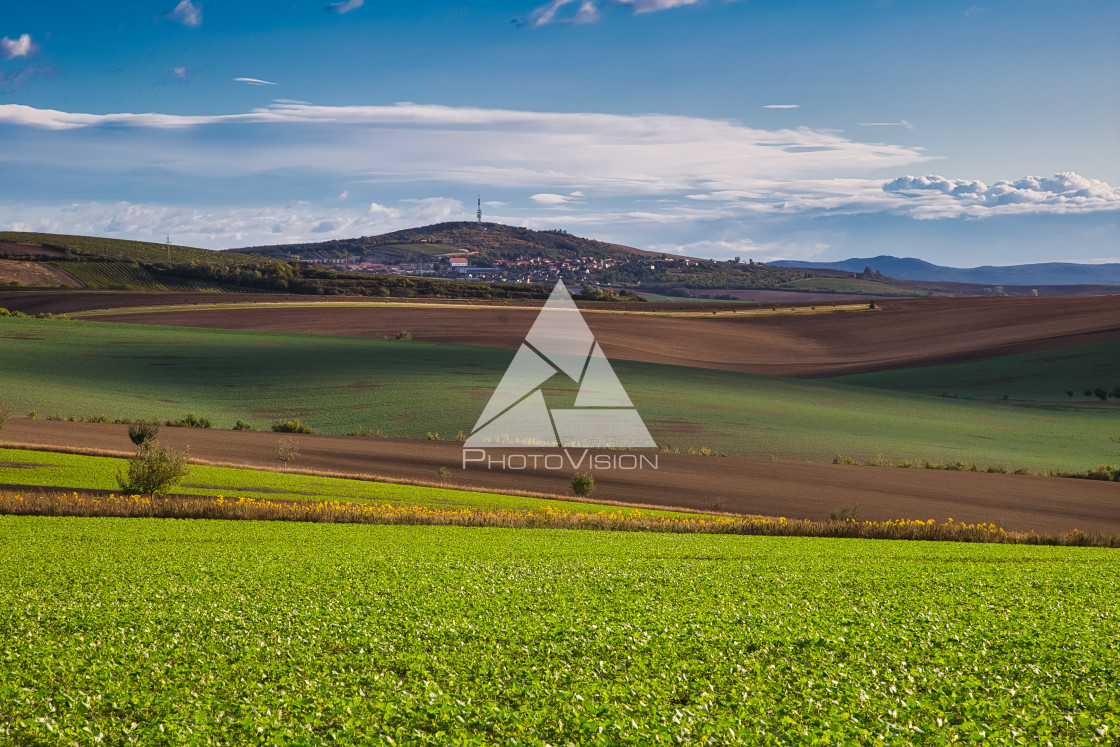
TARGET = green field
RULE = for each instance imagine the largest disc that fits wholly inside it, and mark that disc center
(853, 285)
(142, 631)
(338, 384)
(1046, 376)
(28, 467)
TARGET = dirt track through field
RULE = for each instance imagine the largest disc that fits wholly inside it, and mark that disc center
(790, 489)
(901, 334)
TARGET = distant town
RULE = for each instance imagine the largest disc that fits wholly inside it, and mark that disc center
(520, 269)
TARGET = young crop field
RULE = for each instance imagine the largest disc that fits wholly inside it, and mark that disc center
(147, 631)
(127, 276)
(80, 472)
(409, 389)
(854, 285)
(1048, 376)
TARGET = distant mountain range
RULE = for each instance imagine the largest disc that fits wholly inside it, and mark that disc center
(1046, 273)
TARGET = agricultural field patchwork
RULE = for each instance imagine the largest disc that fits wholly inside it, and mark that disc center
(338, 385)
(140, 631)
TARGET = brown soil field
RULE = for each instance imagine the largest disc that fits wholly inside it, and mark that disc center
(902, 333)
(793, 490)
(35, 274)
(8, 249)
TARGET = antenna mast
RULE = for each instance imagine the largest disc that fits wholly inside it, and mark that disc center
(479, 211)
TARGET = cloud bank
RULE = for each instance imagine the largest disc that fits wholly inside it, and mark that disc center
(1064, 193)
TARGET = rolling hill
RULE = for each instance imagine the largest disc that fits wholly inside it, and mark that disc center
(910, 268)
(491, 240)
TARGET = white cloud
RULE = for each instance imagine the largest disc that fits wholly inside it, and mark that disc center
(347, 6)
(938, 197)
(22, 46)
(545, 198)
(900, 123)
(781, 106)
(231, 227)
(187, 13)
(552, 152)
(180, 72)
(344, 195)
(648, 6)
(254, 81)
(588, 10)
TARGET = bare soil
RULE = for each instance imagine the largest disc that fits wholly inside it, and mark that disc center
(720, 484)
(35, 274)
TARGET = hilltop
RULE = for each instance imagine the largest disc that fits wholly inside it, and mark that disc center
(491, 241)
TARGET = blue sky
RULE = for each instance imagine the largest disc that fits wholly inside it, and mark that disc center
(963, 132)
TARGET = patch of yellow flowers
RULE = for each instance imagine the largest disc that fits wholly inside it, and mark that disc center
(248, 508)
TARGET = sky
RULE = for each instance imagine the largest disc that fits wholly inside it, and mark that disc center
(964, 132)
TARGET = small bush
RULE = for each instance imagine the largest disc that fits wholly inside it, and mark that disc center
(97, 419)
(141, 432)
(843, 460)
(443, 474)
(433, 436)
(846, 513)
(380, 434)
(190, 420)
(32, 415)
(460, 437)
(362, 432)
(286, 450)
(291, 426)
(1105, 472)
(56, 416)
(154, 469)
(241, 425)
(583, 484)
(5, 413)
(404, 334)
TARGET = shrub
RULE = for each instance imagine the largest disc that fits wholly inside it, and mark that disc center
(380, 434)
(241, 425)
(190, 420)
(1100, 394)
(154, 469)
(1105, 472)
(404, 334)
(843, 460)
(583, 483)
(443, 474)
(1069, 393)
(362, 432)
(141, 432)
(460, 437)
(286, 450)
(32, 415)
(433, 436)
(5, 413)
(291, 426)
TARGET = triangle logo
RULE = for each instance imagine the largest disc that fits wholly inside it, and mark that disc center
(560, 343)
